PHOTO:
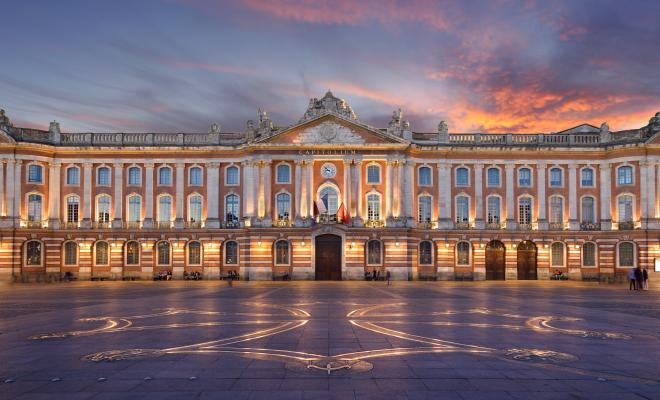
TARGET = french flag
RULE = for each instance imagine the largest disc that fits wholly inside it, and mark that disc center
(320, 205)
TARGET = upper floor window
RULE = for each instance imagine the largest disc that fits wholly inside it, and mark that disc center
(165, 208)
(195, 176)
(588, 210)
(373, 174)
(283, 201)
(195, 208)
(165, 176)
(35, 173)
(462, 209)
(556, 177)
(524, 177)
(587, 178)
(373, 207)
(72, 208)
(425, 176)
(525, 210)
(134, 208)
(231, 176)
(134, 176)
(232, 208)
(425, 204)
(624, 175)
(283, 173)
(493, 210)
(73, 176)
(34, 207)
(556, 210)
(103, 208)
(103, 176)
(625, 208)
(462, 176)
(493, 177)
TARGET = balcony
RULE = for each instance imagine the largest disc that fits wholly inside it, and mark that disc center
(627, 225)
(556, 226)
(34, 224)
(132, 225)
(231, 224)
(493, 225)
(374, 223)
(525, 227)
(589, 226)
(426, 225)
(70, 224)
(328, 219)
(282, 223)
(102, 225)
(462, 225)
(193, 224)
(163, 225)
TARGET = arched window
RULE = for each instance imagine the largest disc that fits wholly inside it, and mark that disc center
(73, 176)
(134, 208)
(165, 208)
(525, 210)
(70, 253)
(132, 253)
(625, 208)
(194, 253)
(462, 209)
(35, 173)
(232, 208)
(374, 252)
(103, 208)
(283, 201)
(283, 173)
(232, 176)
(426, 253)
(525, 177)
(556, 177)
(72, 208)
(373, 174)
(493, 210)
(163, 253)
(195, 176)
(425, 176)
(195, 208)
(134, 176)
(424, 209)
(165, 176)
(101, 253)
(330, 199)
(588, 210)
(33, 253)
(103, 176)
(589, 254)
(626, 254)
(463, 253)
(462, 177)
(373, 207)
(493, 177)
(35, 202)
(587, 177)
(557, 254)
(624, 175)
(231, 253)
(282, 252)
(556, 210)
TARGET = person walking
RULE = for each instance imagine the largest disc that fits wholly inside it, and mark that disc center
(631, 279)
(387, 276)
(645, 275)
(639, 277)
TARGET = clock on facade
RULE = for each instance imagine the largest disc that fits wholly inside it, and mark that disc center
(328, 170)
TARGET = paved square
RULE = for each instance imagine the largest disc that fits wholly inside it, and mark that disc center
(318, 340)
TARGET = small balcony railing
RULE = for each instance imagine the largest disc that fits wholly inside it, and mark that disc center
(426, 225)
(232, 224)
(34, 224)
(524, 227)
(163, 225)
(282, 223)
(556, 226)
(102, 225)
(493, 225)
(193, 224)
(589, 226)
(374, 223)
(70, 224)
(626, 225)
(132, 225)
(328, 219)
(462, 225)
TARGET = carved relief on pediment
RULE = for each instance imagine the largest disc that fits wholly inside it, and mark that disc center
(328, 133)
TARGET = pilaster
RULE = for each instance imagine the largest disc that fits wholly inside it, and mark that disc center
(118, 200)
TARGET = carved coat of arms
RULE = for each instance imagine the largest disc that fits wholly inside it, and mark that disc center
(328, 133)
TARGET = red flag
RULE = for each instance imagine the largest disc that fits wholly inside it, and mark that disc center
(342, 214)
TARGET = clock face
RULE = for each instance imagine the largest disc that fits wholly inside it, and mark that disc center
(328, 170)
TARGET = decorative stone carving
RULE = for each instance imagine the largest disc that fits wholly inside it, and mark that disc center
(399, 126)
(654, 125)
(263, 128)
(329, 104)
(443, 132)
(4, 120)
(215, 128)
(604, 132)
(328, 132)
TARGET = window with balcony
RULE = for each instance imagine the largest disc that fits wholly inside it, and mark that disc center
(425, 205)
(195, 208)
(283, 201)
(103, 209)
(35, 202)
(232, 203)
(525, 211)
(625, 208)
(588, 207)
(134, 208)
(373, 207)
(493, 211)
(462, 209)
(72, 209)
(165, 209)
(556, 210)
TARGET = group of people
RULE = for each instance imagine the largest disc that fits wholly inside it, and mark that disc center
(376, 276)
(163, 276)
(193, 276)
(639, 279)
(559, 276)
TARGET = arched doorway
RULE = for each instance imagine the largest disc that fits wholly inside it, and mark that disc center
(526, 260)
(495, 260)
(328, 256)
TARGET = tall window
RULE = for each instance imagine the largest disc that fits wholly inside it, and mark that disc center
(589, 254)
(33, 253)
(373, 207)
(283, 201)
(462, 209)
(426, 253)
(231, 178)
(195, 208)
(524, 177)
(625, 208)
(101, 253)
(165, 176)
(231, 253)
(103, 208)
(35, 173)
(194, 253)
(425, 176)
(70, 253)
(34, 207)
(493, 214)
(624, 175)
(462, 177)
(231, 208)
(165, 208)
(132, 253)
(425, 203)
(103, 176)
(557, 254)
(73, 176)
(587, 178)
(283, 173)
(281, 252)
(556, 210)
(373, 174)
(134, 176)
(588, 210)
(525, 210)
(195, 176)
(493, 177)
(134, 208)
(330, 199)
(626, 254)
(463, 253)
(374, 252)
(556, 177)
(163, 253)
(72, 208)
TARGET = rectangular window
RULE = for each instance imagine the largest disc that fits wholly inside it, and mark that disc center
(462, 210)
(525, 177)
(462, 177)
(556, 177)
(624, 175)
(373, 174)
(493, 214)
(72, 176)
(195, 176)
(587, 177)
(103, 177)
(525, 211)
(35, 174)
(72, 210)
(424, 215)
(556, 210)
(589, 255)
(493, 177)
(232, 176)
(134, 176)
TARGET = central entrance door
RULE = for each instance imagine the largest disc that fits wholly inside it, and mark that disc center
(328, 257)
(526, 260)
(495, 260)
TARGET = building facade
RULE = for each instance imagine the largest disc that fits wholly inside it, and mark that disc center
(329, 198)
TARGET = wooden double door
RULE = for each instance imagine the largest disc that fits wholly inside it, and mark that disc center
(526, 260)
(328, 256)
(495, 261)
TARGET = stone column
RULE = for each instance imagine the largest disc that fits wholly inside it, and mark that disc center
(647, 192)
(149, 195)
(396, 193)
(268, 195)
(119, 199)
(347, 185)
(310, 188)
(261, 192)
(510, 200)
(256, 185)
(359, 220)
(10, 189)
(444, 196)
(3, 203)
(54, 195)
(87, 195)
(542, 220)
(212, 195)
(248, 190)
(478, 197)
(408, 193)
(605, 197)
(573, 223)
(298, 193)
(180, 179)
(389, 182)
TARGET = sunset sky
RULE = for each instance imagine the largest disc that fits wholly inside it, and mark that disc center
(493, 66)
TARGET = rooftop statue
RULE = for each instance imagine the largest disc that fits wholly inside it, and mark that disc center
(329, 104)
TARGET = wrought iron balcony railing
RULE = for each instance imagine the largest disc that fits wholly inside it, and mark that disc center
(374, 223)
(525, 227)
(102, 225)
(462, 225)
(589, 226)
(193, 224)
(556, 226)
(328, 219)
(627, 225)
(230, 224)
(282, 223)
(494, 225)
(163, 225)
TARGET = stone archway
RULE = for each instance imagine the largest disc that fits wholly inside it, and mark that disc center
(495, 260)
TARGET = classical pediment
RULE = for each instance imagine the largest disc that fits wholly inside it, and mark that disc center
(5, 138)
